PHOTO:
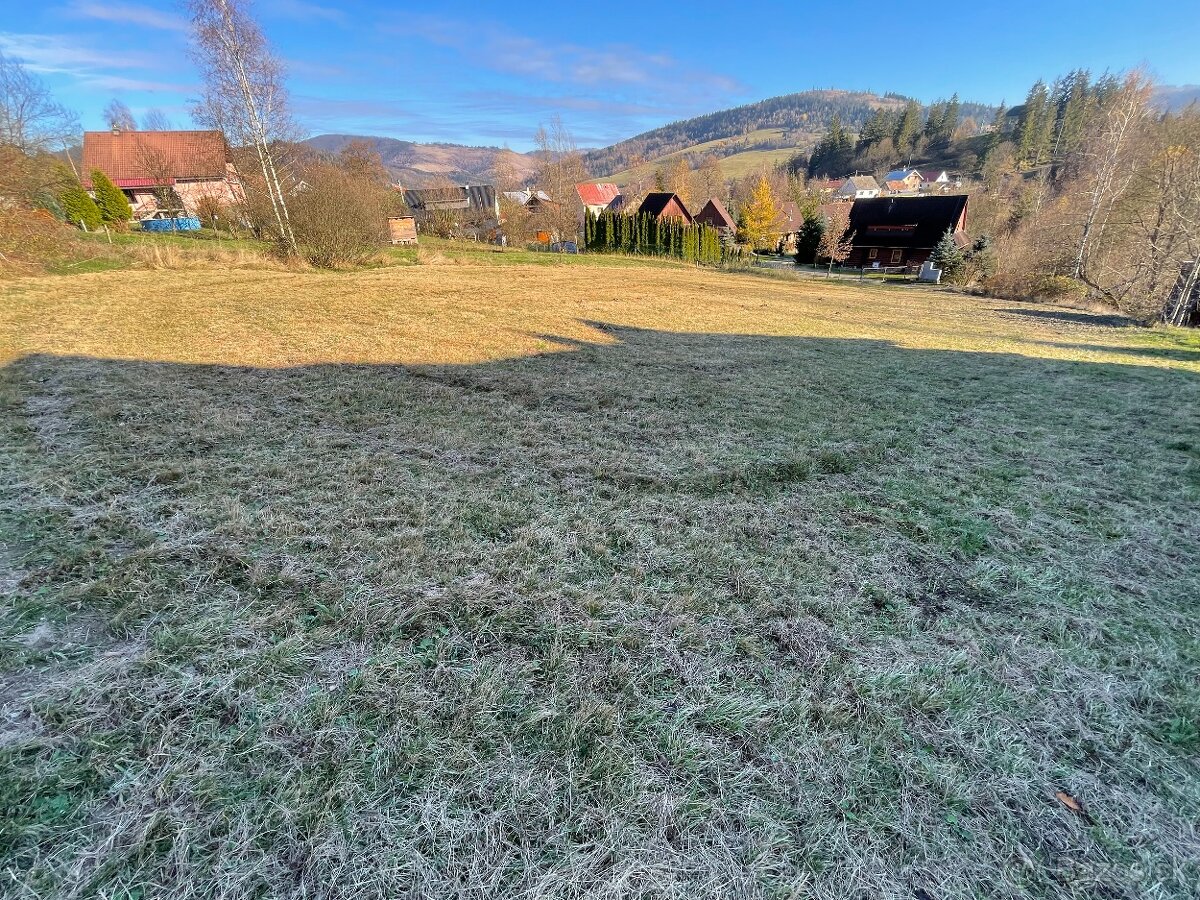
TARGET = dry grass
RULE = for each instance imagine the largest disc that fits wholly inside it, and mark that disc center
(560, 581)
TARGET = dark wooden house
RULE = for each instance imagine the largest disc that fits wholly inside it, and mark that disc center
(902, 231)
(664, 205)
(715, 215)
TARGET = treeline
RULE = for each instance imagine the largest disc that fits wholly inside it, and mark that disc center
(1052, 123)
(648, 235)
(891, 137)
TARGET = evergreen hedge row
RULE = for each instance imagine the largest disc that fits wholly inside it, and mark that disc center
(612, 232)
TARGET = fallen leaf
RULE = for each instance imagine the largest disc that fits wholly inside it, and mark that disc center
(1069, 802)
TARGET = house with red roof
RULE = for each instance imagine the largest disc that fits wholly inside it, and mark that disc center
(178, 170)
(597, 198)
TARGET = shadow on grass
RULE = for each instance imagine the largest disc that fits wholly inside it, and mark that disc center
(1181, 354)
(823, 588)
(1103, 320)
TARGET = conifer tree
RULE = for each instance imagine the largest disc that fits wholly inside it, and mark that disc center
(114, 208)
(809, 238)
(1037, 126)
(908, 129)
(875, 130)
(948, 257)
(79, 208)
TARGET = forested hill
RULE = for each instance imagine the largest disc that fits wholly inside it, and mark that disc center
(795, 120)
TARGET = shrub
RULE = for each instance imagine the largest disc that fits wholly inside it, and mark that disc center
(79, 208)
(1059, 287)
(114, 208)
(340, 217)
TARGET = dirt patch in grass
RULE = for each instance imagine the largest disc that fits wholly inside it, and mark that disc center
(551, 580)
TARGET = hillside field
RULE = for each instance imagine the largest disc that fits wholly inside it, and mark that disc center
(456, 579)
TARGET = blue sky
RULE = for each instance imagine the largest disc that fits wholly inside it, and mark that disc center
(489, 73)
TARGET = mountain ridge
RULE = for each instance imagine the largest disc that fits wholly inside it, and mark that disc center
(763, 132)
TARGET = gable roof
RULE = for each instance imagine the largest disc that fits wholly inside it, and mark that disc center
(715, 214)
(934, 175)
(657, 201)
(526, 197)
(860, 183)
(472, 196)
(790, 217)
(900, 174)
(906, 221)
(597, 194)
(146, 158)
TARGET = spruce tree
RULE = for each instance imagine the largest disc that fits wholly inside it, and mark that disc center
(1037, 126)
(948, 257)
(944, 136)
(908, 129)
(114, 208)
(874, 131)
(809, 238)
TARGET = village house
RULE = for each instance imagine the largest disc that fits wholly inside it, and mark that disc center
(597, 198)
(479, 199)
(664, 205)
(902, 181)
(791, 220)
(164, 172)
(935, 180)
(902, 231)
(715, 215)
(858, 187)
(824, 185)
(530, 199)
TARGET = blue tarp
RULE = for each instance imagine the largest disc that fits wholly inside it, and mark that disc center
(178, 224)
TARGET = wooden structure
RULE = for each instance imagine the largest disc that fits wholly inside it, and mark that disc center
(902, 231)
(402, 230)
(715, 215)
(664, 205)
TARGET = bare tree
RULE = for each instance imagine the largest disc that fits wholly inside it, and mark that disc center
(709, 181)
(836, 240)
(156, 120)
(30, 119)
(1104, 161)
(244, 96)
(560, 168)
(119, 116)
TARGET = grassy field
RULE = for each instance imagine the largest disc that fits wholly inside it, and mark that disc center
(455, 579)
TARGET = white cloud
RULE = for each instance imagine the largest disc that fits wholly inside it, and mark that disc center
(597, 66)
(304, 11)
(129, 14)
(61, 54)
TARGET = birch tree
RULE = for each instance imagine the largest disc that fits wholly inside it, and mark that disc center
(1106, 170)
(244, 95)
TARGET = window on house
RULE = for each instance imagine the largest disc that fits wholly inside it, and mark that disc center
(896, 256)
(874, 254)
